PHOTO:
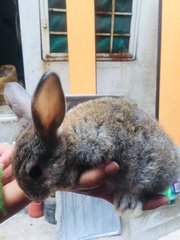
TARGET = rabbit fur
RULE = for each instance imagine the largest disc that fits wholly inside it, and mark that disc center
(53, 147)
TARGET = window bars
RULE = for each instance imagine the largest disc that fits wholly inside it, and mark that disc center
(113, 28)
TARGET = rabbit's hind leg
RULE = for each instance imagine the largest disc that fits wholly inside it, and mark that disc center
(127, 204)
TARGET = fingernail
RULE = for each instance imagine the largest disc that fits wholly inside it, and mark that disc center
(168, 202)
(112, 167)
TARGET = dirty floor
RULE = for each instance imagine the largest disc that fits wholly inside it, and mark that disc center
(21, 227)
(173, 236)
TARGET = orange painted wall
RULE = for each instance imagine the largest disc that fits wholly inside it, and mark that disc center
(169, 108)
(81, 46)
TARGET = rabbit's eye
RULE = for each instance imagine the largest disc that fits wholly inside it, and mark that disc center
(35, 172)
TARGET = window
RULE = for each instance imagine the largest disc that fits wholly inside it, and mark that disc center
(57, 26)
(116, 29)
(113, 23)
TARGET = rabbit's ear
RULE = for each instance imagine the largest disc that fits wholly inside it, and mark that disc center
(19, 101)
(48, 105)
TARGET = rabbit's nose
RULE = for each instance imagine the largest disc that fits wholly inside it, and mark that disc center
(35, 172)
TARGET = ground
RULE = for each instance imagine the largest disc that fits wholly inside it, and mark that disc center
(21, 226)
(173, 236)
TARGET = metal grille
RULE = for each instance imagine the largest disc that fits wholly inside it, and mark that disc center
(57, 27)
(56, 10)
(118, 35)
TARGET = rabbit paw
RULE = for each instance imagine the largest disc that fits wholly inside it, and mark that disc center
(127, 205)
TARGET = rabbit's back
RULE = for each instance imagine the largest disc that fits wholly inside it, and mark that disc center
(116, 129)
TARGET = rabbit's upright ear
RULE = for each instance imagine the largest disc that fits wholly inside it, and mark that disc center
(19, 101)
(48, 105)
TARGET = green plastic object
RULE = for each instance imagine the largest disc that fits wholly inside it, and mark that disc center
(2, 205)
(172, 192)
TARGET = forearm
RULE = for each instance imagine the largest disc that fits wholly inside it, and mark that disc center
(14, 199)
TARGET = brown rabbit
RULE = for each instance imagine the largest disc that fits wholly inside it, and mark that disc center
(55, 147)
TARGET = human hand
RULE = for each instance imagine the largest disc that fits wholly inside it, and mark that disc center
(14, 197)
(6, 151)
(94, 182)
(155, 202)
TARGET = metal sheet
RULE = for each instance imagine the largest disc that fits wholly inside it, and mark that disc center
(83, 217)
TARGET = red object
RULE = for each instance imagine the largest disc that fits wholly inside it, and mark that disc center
(35, 209)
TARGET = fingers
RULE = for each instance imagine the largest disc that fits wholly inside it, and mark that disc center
(7, 176)
(101, 191)
(155, 202)
(96, 176)
(14, 199)
(6, 151)
(111, 168)
(4, 147)
(92, 182)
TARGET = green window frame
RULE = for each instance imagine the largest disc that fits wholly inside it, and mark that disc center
(114, 29)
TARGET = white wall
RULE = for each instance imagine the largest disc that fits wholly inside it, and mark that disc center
(136, 79)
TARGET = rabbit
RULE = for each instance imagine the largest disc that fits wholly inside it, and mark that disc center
(54, 147)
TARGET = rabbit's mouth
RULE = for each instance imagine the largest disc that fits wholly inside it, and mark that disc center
(35, 191)
(40, 196)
